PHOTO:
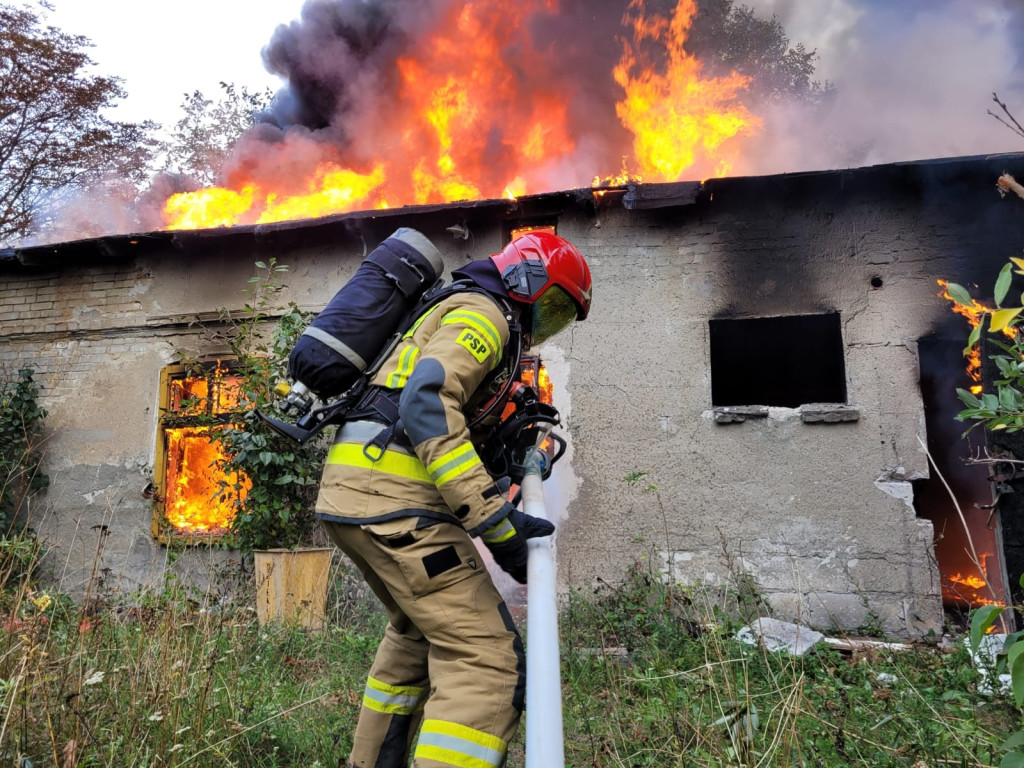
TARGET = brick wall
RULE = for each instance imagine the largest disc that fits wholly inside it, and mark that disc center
(84, 298)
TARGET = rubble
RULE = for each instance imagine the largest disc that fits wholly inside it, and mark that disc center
(778, 635)
(984, 659)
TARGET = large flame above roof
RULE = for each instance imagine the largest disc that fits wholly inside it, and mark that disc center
(484, 102)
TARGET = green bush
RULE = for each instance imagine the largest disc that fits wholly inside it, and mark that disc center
(21, 425)
(278, 509)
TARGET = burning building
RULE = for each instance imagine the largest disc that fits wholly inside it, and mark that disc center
(771, 351)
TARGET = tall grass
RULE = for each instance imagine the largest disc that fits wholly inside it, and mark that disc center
(655, 677)
(651, 676)
(161, 679)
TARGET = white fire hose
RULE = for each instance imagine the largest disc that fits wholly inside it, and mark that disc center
(545, 747)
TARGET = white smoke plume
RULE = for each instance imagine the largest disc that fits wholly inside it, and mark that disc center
(913, 80)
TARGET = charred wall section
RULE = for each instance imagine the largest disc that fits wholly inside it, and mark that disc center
(820, 515)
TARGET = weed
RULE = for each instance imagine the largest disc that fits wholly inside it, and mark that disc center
(653, 677)
(21, 425)
(165, 678)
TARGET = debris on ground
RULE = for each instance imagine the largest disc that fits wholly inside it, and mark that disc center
(776, 635)
(985, 659)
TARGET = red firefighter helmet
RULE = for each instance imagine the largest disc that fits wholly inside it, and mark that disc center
(548, 273)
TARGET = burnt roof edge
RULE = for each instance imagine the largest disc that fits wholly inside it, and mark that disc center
(632, 196)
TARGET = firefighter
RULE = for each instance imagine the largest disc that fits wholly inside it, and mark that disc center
(402, 495)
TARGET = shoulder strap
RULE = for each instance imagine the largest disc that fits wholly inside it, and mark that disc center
(427, 302)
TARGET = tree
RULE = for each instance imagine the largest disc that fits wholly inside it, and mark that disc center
(54, 139)
(727, 37)
(208, 130)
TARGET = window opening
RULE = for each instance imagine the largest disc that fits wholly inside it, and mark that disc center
(534, 374)
(777, 361)
(195, 499)
(514, 230)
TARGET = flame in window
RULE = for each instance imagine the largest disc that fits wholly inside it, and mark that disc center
(199, 498)
(520, 231)
(192, 395)
(536, 375)
(196, 503)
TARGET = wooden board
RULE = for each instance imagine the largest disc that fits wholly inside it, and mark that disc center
(291, 586)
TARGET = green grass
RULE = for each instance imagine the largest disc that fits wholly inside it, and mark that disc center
(687, 694)
(156, 680)
(651, 677)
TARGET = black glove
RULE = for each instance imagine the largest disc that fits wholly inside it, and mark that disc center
(507, 540)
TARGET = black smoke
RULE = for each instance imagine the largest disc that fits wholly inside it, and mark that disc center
(339, 52)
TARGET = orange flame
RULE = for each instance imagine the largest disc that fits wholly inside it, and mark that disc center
(974, 313)
(680, 121)
(212, 207)
(538, 378)
(970, 580)
(474, 112)
(192, 396)
(195, 503)
(965, 586)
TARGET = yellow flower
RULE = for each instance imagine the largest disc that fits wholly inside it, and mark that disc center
(42, 602)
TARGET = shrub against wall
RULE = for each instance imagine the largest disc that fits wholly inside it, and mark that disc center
(278, 508)
(21, 426)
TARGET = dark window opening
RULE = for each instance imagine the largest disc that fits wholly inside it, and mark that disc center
(778, 361)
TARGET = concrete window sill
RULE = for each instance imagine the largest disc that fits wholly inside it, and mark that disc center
(810, 413)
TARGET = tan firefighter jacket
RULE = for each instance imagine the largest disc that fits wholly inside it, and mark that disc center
(437, 367)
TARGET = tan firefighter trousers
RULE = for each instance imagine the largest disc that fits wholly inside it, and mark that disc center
(451, 663)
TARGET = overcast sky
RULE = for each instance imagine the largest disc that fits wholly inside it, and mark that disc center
(164, 50)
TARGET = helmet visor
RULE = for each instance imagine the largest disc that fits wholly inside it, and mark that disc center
(552, 312)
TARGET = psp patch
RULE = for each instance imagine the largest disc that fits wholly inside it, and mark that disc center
(476, 346)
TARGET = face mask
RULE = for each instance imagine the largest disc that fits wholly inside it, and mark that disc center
(552, 312)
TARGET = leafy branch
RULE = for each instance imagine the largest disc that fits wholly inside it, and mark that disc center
(277, 510)
(1004, 408)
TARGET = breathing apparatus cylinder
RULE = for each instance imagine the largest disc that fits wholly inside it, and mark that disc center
(350, 332)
